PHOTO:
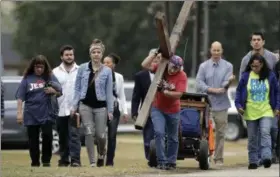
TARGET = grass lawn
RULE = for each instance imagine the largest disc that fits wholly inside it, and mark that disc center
(129, 161)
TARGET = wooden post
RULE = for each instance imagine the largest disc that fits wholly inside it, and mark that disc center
(167, 46)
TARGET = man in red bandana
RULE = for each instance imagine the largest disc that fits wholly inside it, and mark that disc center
(165, 111)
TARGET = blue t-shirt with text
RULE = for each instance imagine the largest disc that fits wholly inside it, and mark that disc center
(37, 109)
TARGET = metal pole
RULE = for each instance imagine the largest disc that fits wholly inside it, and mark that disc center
(279, 25)
(195, 38)
(205, 30)
(171, 19)
(199, 11)
(167, 13)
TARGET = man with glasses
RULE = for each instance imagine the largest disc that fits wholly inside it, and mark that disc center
(275, 126)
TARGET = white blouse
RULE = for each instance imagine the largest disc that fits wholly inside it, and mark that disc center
(120, 93)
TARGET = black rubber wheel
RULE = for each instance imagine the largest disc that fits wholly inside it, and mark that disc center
(203, 156)
(152, 154)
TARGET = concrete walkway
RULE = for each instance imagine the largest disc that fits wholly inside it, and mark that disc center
(273, 171)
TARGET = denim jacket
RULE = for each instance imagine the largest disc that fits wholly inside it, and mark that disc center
(103, 86)
(241, 91)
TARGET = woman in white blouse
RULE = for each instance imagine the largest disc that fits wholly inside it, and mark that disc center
(120, 107)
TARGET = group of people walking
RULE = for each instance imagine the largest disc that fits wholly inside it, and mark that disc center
(257, 99)
(94, 92)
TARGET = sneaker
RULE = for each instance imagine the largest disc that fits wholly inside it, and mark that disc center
(46, 164)
(100, 162)
(92, 165)
(63, 164)
(267, 163)
(35, 165)
(171, 166)
(162, 167)
(219, 163)
(275, 160)
(150, 164)
(74, 164)
(109, 163)
(260, 163)
(252, 166)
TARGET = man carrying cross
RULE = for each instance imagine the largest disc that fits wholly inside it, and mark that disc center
(165, 109)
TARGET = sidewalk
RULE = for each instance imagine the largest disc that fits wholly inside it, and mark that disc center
(273, 171)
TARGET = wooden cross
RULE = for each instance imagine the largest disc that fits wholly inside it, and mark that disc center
(167, 47)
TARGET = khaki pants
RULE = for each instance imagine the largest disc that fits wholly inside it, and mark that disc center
(221, 119)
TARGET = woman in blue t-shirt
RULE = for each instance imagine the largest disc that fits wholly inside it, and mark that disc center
(36, 90)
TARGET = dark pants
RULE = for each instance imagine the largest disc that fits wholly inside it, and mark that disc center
(274, 132)
(148, 135)
(69, 141)
(112, 137)
(33, 132)
(278, 140)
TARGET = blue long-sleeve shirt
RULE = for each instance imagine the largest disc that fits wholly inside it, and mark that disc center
(241, 91)
(215, 75)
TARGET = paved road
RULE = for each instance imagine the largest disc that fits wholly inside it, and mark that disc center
(239, 172)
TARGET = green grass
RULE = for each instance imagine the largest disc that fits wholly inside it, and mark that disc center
(129, 161)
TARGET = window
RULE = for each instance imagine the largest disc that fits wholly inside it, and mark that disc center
(232, 95)
(128, 93)
(10, 90)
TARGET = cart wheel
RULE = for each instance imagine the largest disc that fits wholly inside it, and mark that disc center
(153, 156)
(203, 157)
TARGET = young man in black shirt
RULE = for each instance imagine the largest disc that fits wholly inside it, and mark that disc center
(276, 126)
(2, 106)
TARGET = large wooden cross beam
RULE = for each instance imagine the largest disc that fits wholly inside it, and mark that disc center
(167, 47)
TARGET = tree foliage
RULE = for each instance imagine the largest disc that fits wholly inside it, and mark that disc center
(128, 29)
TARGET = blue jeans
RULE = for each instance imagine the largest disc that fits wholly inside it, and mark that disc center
(273, 134)
(253, 127)
(148, 136)
(165, 124)
(69, 141)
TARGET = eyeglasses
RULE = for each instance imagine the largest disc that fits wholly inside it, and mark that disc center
(39, 66)
(255, 66)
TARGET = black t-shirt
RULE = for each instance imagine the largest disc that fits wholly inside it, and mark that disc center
(277, 69)
(114, 85)
(91, 99)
